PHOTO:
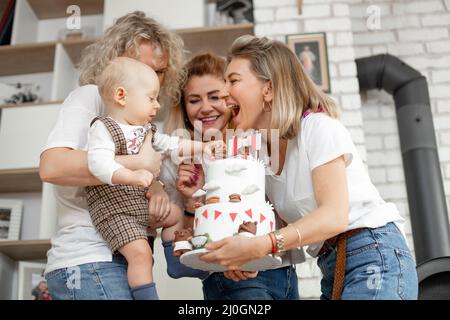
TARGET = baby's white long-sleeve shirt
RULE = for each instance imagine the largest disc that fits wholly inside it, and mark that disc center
(101, 148)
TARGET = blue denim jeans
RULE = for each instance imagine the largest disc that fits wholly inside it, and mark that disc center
(91, 281)
(277, 284)
(379, 267)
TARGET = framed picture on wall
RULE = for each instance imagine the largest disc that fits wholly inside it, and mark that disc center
(32, 284)
(10, 219)
(311, 50)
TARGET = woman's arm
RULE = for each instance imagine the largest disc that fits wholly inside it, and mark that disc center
(69, 167)
(66, 167)
(329, 219)
(331, 216)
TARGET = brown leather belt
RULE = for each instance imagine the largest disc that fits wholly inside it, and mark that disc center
(339, 241)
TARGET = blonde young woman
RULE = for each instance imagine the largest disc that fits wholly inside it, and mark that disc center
(321, 187)
(80, 264)
(203, 112)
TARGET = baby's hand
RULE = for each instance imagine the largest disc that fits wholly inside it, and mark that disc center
(141, 178)
(214, 149)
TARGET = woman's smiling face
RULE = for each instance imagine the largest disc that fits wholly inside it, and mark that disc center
(245, 94)
(203, 97)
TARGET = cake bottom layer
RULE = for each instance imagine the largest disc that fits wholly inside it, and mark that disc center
(221, 220)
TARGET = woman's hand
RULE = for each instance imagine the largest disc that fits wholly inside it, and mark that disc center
(238, 275)
(233, 252)
(190, 179)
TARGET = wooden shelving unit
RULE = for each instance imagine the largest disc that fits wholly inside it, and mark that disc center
(23, 250)
(29, 104)
(27, 58)
(217, 39)
(51, 9)
(75, 47)
(39, 57)
(20, 180)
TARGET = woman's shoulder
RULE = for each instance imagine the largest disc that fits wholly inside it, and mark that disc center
(314, 118)
(88, 90)
(314, 123)
(86, 97)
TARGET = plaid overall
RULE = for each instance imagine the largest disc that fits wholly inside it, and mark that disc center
(119, 212)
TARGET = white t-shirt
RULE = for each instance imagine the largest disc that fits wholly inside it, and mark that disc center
(101, 148)
(76, 241)
(320, 140)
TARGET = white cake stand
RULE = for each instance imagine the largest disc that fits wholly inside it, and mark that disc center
(192, 259)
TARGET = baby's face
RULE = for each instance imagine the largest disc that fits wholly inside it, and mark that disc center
(142, 103)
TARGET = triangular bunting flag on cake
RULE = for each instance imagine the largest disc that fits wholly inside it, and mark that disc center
(205, 214)
(217, 214)
(249, 213)
(233, 216)
(261, 218)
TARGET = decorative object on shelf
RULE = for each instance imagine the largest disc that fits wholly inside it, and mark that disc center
(10, 219)
(75, 34)
(232, 11)
(20, 93)
(300, 6)
(32, 284)
(311, 50)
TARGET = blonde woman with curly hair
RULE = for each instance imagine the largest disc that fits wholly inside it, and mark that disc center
(319, 186)
(80, 264)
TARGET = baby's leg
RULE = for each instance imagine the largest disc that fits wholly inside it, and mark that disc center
(140, 264)
(172, 223)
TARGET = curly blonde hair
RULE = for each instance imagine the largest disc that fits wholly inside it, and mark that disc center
(123, 39)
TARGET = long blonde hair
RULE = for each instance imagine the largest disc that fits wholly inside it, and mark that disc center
(293, 91)
(123, 39)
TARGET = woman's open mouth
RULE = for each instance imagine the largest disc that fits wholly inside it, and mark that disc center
(235, 111)
(209, 120)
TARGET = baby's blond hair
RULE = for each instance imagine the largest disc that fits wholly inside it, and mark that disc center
(120, 72)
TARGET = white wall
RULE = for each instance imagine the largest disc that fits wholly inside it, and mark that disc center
(174, 14)
(276, 19)
(8, 287)
(23, 134)
(417, 32)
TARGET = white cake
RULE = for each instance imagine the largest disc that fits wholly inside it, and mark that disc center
(244, 177)
(233, 194)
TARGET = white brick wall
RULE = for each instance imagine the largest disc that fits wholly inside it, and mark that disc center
(332, 17)
(417, 32)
